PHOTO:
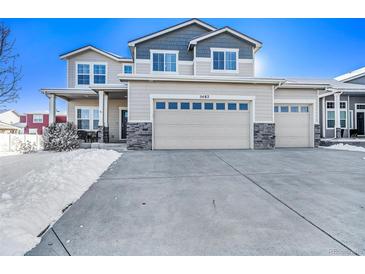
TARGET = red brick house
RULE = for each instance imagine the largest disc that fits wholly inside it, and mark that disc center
(36, 122)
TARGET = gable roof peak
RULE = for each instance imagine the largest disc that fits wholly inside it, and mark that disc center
(207, 26)
(257, 44)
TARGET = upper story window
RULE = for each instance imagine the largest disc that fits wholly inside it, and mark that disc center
(99, 74)
(91, 73)
(224, 60)
(127, 69)
(164, 61)
(83, 74)
(38, 118)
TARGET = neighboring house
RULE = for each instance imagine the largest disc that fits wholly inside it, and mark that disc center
(190, 86)
(10, 122)
(36, 122)
(351, 105)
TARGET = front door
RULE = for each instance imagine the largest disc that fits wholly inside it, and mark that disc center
(123, 123)
(360, 123)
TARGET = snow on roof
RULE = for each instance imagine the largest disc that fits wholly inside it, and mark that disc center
(90, 47)
(330, 83)
(351, 75)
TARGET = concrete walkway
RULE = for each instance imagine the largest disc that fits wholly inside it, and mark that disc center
(237, 202)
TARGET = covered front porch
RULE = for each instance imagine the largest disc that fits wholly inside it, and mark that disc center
(100, 113)
(343, 115)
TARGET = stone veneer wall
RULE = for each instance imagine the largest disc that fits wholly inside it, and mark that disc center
(264, 135)
(317, 135)
(139, 136)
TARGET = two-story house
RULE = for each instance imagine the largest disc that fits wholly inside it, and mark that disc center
(190, 86)
(35, 122)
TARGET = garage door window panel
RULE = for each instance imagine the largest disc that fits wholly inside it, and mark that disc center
(232, 106)
(304, 109)
(284, 109)
(294, 109)
(160, 105)
(172, 105)
(243, 106)
(208, 106)
(185, 106)
(197, 106)
(220, 106)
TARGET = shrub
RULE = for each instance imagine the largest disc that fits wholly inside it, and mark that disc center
(60, 137)
(25, 147)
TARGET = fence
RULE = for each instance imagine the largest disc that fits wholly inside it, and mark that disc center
(9, 142)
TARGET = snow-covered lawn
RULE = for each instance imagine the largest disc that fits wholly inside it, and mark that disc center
(34, 188)
(346, 147)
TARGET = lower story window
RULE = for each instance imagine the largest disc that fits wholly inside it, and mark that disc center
(330, 119)
(87, 118)
(343, 119)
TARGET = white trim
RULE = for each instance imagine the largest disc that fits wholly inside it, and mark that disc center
(91, 117)
(205, 78)
(194, 61)
(358, 110)
(134, 42)
(351, 75)
(202, 59)
(323, 117)
(176, 52)
(91, 73)
(190, 63)
(351, 118)
(143, 61)
(333, 109)
(257, 44)
(112, 56)
(40, 115)
(120, 121)
(126, 64)
(246, 61)
(225, 50)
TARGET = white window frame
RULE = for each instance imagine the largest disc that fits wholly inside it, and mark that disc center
(35, 120)
(333, 109)
(152, 51)
(91, 117)
(91, 72)
(212, 50)
(130, 65)
(33, 131)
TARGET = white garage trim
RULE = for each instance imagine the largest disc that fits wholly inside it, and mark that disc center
(313, 102)
(203, 97)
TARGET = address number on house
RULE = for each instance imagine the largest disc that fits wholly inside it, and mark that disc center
(204, 96)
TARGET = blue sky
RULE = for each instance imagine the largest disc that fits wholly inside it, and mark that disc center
(320, 48)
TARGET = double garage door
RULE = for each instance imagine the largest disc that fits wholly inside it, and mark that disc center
(201, 124)
(293, 125)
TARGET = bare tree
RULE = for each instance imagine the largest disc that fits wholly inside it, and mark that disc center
(10, 74)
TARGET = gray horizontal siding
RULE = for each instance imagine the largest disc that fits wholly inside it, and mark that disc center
(224, 40)
(175, 40)
(360, 80)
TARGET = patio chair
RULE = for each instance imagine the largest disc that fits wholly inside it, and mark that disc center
(82, 134)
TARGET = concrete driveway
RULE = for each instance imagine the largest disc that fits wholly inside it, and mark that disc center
(236, 202)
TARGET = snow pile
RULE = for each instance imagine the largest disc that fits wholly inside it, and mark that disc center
(346, 147)
(31, 201)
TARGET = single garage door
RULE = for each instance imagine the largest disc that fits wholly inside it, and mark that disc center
(293, 125)
(197, 124)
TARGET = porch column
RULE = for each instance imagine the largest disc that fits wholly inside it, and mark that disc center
(337, 115)
(105, 114)
(101, 108)
(52, 109)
